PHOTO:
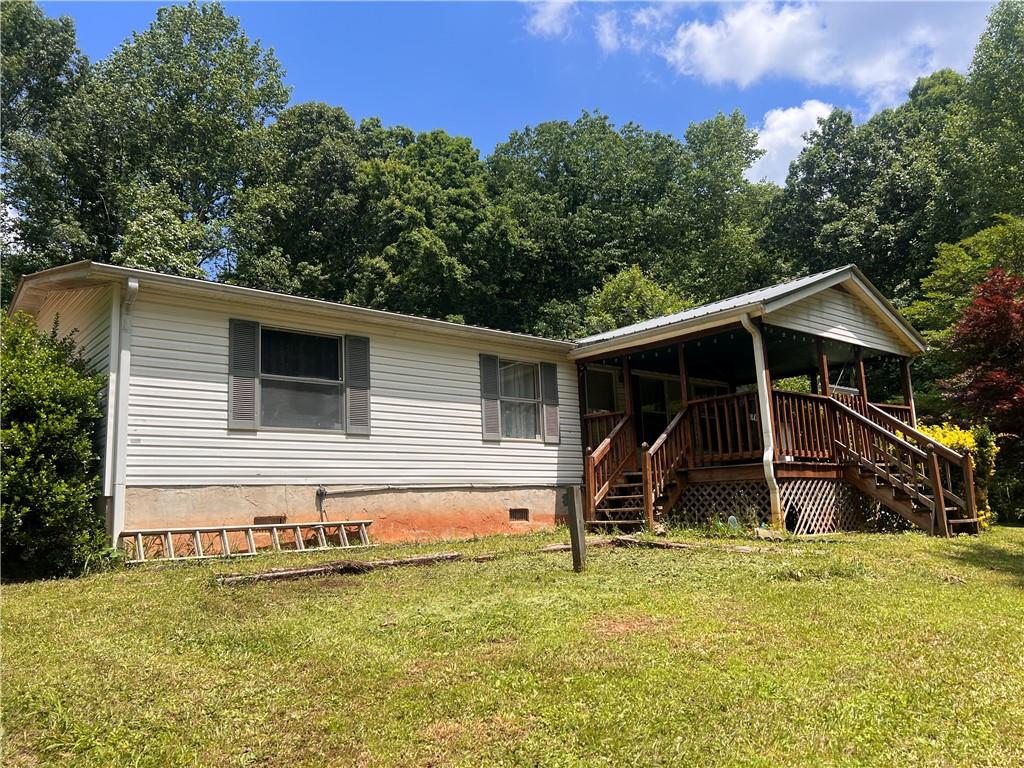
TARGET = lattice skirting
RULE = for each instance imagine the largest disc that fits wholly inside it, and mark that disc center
(810, 505)
(818, 505)
(703, 503)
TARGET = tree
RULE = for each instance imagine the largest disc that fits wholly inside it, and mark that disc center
(623, 299)
(958, 267)
(992, 124)
(164, 129)
(41, 66)
(49, 482)
(988, 343)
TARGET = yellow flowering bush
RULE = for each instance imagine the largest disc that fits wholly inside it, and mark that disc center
(980, 443)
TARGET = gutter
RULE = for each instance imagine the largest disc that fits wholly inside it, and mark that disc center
(767, 432)
(120, 431)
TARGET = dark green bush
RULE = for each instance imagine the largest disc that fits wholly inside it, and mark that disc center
(49, 409)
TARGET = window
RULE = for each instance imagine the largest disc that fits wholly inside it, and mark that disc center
(301, 381)
(290, 380)
(519, 393)
(601, 387)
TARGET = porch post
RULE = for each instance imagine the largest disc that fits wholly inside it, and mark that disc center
(862, 382)
(581, 389)
(684, 378)
(764, 399)
(627, 385)
(908, 389)
(826, 387)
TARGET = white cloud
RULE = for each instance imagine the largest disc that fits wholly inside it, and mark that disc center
(781, 138)
(550, 18)
(876, 49)
(606, 29)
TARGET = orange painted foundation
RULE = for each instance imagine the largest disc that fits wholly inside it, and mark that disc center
(397, 515)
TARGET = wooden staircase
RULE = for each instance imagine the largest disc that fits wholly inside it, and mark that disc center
(906, 471)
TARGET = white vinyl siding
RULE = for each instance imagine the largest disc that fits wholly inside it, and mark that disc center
(425, 395)
(87, 312)
(835, 314)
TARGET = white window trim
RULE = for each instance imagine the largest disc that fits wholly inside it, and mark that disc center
(537, 401)
(339, 382)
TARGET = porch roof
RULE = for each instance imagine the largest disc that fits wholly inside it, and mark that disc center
(761, 302)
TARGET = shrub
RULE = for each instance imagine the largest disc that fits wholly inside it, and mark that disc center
(980, 443)
(49, 411)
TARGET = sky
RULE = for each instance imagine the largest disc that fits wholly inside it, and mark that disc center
(484, 69)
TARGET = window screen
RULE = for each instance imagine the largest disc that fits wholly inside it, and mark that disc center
(300, 404)
(519, 391)
(600, 391)
(301, 381)
(284, 353)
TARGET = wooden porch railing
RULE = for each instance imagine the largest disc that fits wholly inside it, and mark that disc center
(724, 429)
(802, 427)
(898, 412)
(597, 426)
(662, 459)
(952, 476)
(613, 456)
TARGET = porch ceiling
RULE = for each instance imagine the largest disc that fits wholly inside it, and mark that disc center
(729, 357)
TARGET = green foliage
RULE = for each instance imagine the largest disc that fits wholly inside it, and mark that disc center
(623, 299)
(159, 134)
(958, 267)
(980, 443)
(49, 484)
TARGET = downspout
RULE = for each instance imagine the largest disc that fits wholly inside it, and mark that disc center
(124, 366)
(767, 432)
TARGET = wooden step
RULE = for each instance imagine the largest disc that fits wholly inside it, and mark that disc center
(613, 497)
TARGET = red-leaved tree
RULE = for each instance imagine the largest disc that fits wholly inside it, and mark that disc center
(988, 344)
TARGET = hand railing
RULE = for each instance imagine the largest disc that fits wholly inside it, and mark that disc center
(597, 426)
(953, 473)
(724, 428)
(802, 427)
(613, 456)
(661, 461)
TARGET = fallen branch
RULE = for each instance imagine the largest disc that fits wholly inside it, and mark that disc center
(337, 566)
(633, 541)
(594, 543)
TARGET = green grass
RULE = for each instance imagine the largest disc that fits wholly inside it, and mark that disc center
(873, 650)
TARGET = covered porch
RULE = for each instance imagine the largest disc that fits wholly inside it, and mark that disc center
(759, 420)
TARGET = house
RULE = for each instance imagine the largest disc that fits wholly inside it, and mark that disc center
(229, 406)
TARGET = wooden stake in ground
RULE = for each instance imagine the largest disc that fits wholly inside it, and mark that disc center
(337, 566)
(577, 536)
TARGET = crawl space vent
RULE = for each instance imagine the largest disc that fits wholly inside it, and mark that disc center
(519, 515)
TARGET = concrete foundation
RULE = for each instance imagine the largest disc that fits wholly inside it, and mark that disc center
(398, 515)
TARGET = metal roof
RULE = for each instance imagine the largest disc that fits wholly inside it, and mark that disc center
(760, 296)
(761, 302)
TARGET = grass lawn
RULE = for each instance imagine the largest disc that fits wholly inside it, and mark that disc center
(884, 650)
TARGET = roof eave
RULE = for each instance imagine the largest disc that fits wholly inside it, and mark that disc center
(609, 347)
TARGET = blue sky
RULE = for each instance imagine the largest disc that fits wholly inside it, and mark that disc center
(484, 69)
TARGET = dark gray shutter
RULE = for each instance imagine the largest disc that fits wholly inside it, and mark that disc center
(357, 385)
(243, 373)
(549, 400)
(490, 405)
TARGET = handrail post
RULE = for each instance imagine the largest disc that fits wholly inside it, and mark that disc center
(648, 488)
(941, 525)
(969, 497)
(588, 478)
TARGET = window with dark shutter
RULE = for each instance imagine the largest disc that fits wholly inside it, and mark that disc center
(286, 379)
(549, 397)
(490, 402)
(243, 373)
(357, 384)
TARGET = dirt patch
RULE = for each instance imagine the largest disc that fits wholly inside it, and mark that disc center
(620, 626)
